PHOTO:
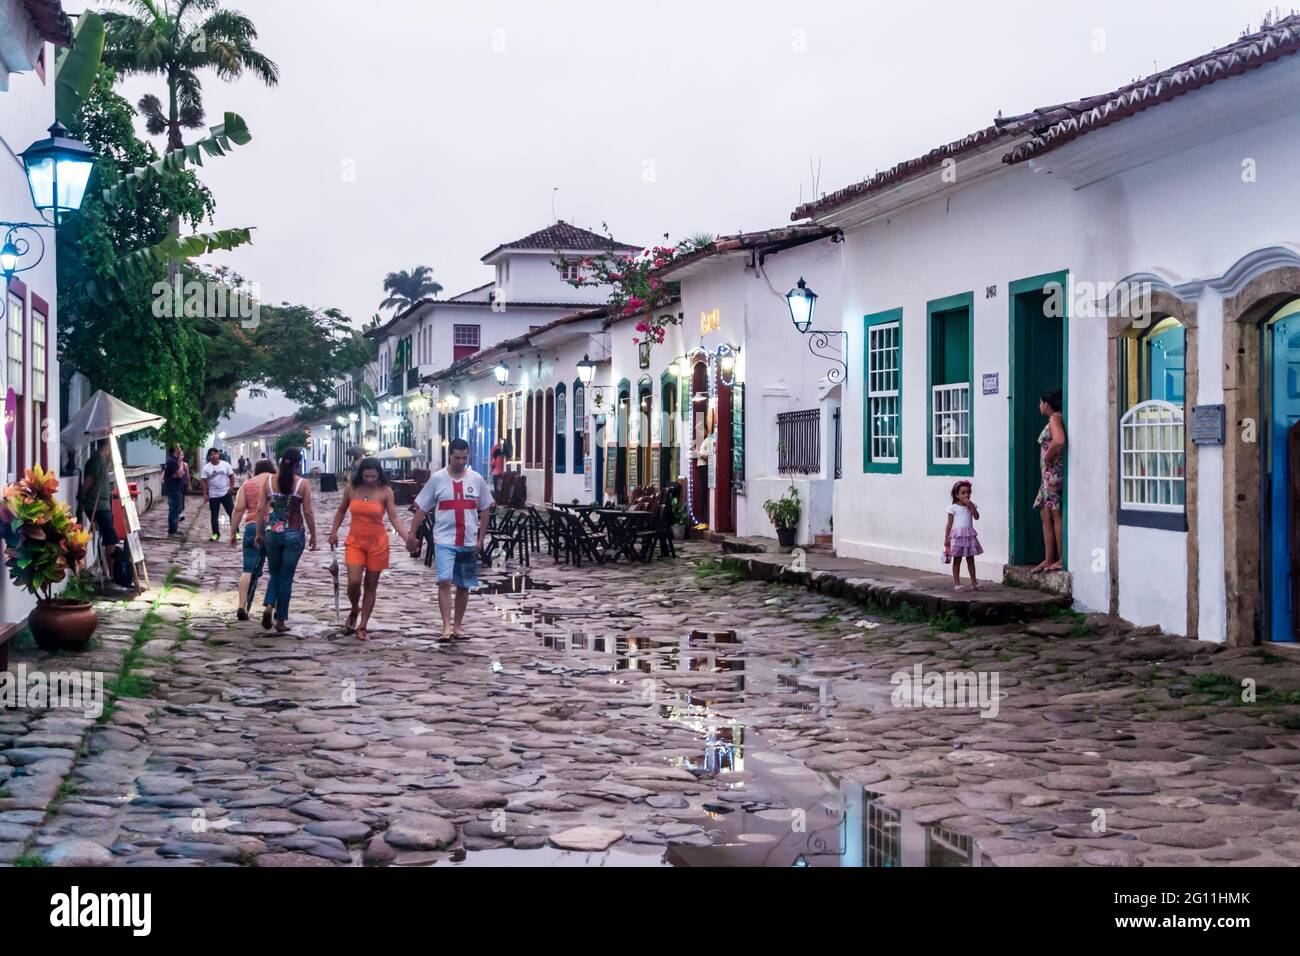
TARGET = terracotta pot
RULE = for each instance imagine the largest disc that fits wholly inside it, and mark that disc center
(60, 625)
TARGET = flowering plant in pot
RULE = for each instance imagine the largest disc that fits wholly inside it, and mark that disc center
(43, 543)
(784, 514)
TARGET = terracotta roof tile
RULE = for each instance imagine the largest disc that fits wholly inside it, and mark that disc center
(50, 20)
(563, 235)
(1250, 52)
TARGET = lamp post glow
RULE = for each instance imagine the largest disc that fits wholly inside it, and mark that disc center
(802, 301)
(9, 258)
(58, 170)
(587, 370)
(502, 373)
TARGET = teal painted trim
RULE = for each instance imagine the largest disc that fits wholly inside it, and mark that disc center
(579, 425)
(1031, 284)
(963, 300)
(868, 466)
(561, 424)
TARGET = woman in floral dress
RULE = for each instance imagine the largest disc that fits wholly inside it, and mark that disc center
(1051, 497)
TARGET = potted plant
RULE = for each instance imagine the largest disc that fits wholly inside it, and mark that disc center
(679, 521)
(784, 514)
(43, 543)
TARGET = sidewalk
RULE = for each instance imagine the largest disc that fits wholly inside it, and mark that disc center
(886, 586)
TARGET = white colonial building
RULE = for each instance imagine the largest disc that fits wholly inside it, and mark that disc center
(527, 292)
(980, 275)
(29, 380)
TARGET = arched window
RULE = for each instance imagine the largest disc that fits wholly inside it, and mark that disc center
(539, 427)
(1152, 437)
(579, 425)
(529, 440)
(561, 422)
(1152, 457)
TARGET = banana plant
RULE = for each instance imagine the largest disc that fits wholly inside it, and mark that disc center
(142, 262)
(220, 140)
(76, 68)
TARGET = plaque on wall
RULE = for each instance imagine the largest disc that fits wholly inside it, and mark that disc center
(656, 465)
(1208, 424)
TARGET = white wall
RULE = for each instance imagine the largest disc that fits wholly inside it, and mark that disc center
(1187, 214)
(779, 372)
(26, 110)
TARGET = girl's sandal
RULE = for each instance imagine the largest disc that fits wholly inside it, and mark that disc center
(351, 626)
(361, 634)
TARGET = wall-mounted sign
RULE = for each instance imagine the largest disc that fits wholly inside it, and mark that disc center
(990, 383)
(1208, 425)
(643, 353)
(710, 321)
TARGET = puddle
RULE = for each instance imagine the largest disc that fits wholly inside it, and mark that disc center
(763, 807)
(514, 584)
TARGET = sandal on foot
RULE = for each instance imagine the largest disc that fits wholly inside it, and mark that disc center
(241, 613)
(361, 634)
(266, 619)
(351, 626)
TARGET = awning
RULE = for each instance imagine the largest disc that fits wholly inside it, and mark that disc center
(103, 416)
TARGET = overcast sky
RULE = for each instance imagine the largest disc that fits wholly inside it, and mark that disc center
(426, 132)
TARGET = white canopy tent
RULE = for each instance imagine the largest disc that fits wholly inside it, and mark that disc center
(103, 417)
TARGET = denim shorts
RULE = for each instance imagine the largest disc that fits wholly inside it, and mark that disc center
(457, 565)
(253, 555)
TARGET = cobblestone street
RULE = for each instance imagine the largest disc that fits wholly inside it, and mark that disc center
(644, 715)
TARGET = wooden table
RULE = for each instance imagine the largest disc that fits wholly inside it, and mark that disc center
(622, 526)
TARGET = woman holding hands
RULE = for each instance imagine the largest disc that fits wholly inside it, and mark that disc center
(367, 499)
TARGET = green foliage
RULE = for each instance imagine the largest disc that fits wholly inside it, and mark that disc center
(220, 140)
(407, 288)
(784, 512)
(43, 541)
(177, 42)
(293, 439)
(906, 614)
(77, 66)
(948, 621)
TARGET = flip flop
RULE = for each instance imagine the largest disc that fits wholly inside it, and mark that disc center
(361, 634)
(351, 626)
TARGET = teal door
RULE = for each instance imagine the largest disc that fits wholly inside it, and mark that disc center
(1167, 364)
(1285, 413)
(1037, 366)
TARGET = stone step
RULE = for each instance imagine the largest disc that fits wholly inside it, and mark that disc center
(1049, 582)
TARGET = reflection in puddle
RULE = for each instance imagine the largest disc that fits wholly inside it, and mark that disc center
(767, 809)
(514, 584)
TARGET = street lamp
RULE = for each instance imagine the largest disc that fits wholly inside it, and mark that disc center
(502, 373)
(586, 370)
(58, 169)
(453, 401)
(803, 302)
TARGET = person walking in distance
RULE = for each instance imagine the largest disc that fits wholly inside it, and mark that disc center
(459, 500)
(284, 524)
(248, 504)
(218, 477)
(368, 498)
(97, 499)
(175, 475)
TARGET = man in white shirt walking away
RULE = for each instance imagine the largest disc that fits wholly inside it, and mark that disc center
(218, 477)
(459, 499)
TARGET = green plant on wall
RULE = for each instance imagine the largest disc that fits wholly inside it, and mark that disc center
(784, 512)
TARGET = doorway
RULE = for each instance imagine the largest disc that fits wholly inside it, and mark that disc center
(1039, 328)
(548, 465)
(1281, 471)
(723, 446)
(699, 464)
(598, 472)
(621, 437)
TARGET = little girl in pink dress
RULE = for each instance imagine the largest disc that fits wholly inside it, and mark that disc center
(959, 537)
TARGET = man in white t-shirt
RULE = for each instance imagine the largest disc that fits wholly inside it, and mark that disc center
(459, 499)
(218, 479)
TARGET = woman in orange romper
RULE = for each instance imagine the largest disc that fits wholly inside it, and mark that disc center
(368, 498)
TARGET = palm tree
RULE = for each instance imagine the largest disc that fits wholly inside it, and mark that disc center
(407, 288)
(176, 39)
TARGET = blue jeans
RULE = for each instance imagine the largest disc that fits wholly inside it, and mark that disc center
(175, 504)
(254, 559)
(283, 549)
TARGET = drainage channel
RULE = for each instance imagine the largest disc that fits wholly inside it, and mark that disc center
(769, 809)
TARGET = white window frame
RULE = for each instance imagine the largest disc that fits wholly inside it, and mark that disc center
(456, 336)
(884, 403)
(1153, 458)
(950, 424)
(15, 360)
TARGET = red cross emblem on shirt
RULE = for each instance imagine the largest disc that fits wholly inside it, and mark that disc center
(459, 504)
